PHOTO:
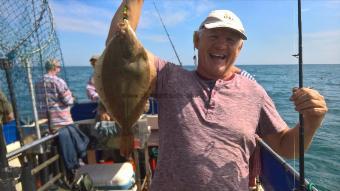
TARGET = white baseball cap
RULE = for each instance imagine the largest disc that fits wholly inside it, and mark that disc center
(224, 18)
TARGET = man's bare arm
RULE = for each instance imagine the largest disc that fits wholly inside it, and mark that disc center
(313, 107)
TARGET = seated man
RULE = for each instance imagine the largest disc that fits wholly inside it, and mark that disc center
(54, 98)
(54, 101)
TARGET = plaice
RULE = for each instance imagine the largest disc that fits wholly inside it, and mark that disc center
(124, 79)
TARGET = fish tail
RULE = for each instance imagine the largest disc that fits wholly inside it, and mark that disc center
(126, 144)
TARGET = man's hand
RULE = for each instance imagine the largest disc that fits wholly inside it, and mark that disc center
(133, 13)
(9, 117)
(311, 105)
(104, 116)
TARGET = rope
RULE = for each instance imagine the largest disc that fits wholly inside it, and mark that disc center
(310, 187)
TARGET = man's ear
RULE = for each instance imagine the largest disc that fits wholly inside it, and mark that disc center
(240, 47)
(196, 39)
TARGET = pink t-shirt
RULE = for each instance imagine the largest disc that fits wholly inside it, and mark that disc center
(205, 143)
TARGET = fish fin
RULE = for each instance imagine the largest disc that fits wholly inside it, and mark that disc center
(144, 53)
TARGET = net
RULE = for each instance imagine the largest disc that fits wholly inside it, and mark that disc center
(27, 40)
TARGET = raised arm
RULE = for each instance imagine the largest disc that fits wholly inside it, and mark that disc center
(134, 11)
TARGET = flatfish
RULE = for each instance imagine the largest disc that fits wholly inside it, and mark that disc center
(124, 80)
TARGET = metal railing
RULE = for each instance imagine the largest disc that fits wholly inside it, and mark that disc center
(28, 172)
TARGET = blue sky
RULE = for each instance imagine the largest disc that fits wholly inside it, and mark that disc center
(271, 27)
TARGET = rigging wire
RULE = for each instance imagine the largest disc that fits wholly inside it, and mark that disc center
(166, 31)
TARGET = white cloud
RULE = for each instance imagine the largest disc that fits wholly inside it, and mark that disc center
(305, 10)
(174, 14)
(156, 38)
(324, 35)
(80, 9)
(94, 27)
(203, 6)
(332, 4)
(322, 47)
(170, 14)
(148, 19)
(76, 16)
(174, 18)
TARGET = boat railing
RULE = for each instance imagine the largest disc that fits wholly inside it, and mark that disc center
(29, 146)
(283, 164)
(33, 163)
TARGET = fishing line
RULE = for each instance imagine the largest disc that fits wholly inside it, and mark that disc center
(166, 31)
(294, 162)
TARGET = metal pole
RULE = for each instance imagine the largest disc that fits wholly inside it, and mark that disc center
(45, 164)
(42, 155)
(55, 166)
(27, 180)
(34, 104)
(301, 129)
(31, 145)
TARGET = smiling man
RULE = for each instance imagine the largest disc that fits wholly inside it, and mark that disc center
(209, 118)
(217, 47)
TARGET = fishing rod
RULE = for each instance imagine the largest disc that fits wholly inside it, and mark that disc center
(301, 129)
(166, 31)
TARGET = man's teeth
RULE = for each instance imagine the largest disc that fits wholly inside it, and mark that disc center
(221, 56)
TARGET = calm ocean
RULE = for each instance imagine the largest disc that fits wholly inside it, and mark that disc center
(322, 161)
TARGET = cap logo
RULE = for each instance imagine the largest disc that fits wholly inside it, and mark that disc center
(226, 16)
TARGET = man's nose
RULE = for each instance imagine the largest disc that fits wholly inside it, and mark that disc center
(222, 44)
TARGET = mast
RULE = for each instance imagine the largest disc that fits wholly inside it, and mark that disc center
(301, 129)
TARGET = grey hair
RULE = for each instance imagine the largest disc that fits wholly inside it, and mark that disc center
(51, 64)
